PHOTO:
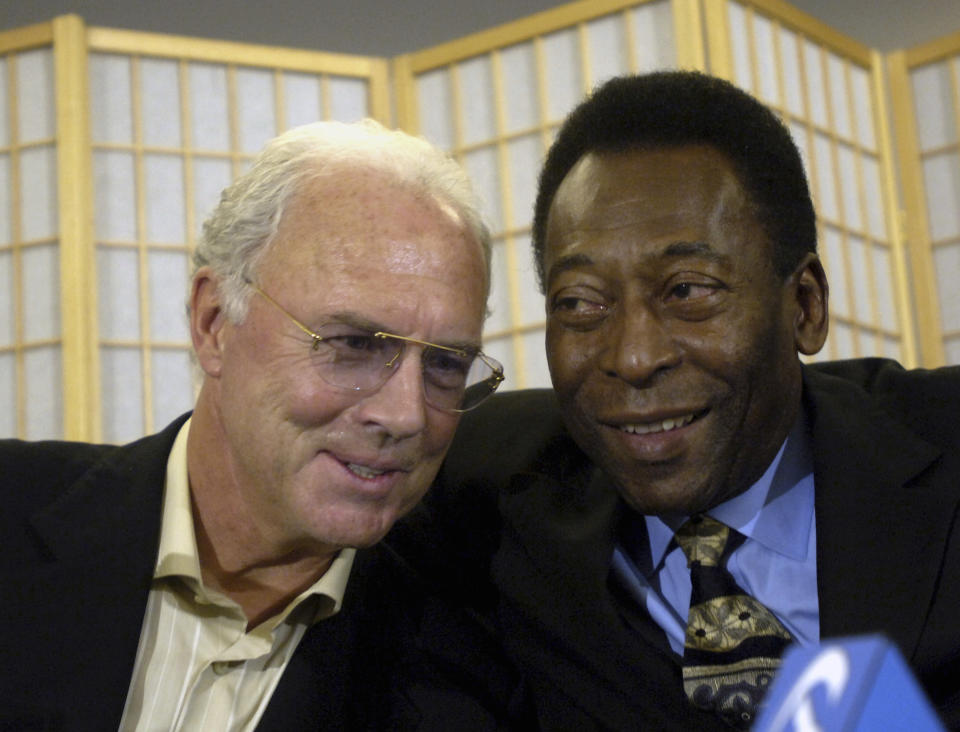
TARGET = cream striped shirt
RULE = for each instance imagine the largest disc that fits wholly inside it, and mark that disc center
(197, 667)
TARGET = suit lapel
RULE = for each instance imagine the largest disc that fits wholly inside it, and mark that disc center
(102, 534)
(881, 525)
(553, 568)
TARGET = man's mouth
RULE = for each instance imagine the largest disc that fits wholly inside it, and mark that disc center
(664, 425)
(364, 471)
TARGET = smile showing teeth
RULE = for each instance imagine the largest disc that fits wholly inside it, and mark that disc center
(663, 426)
(363, 471)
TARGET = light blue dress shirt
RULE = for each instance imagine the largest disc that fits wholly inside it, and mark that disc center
(777, 563)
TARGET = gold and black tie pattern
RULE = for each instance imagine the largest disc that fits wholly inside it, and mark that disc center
(733, 643)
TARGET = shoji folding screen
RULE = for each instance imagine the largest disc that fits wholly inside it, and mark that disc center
(925, 85)
(114, 145)
(828, 89)
(495, 100)
(173, 121)
(31, 328)
(161, 125)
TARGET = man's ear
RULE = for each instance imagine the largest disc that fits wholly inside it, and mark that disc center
(207, 320)
(808, 283)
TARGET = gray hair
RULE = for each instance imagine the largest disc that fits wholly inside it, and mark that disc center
(245, 222)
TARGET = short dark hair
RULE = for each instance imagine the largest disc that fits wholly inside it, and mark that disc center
(676, 108)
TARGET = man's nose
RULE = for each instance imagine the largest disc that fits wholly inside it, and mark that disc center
(399, 405)
(638, 346)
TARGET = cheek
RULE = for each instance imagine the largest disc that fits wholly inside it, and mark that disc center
(569, 358)
(438, 435)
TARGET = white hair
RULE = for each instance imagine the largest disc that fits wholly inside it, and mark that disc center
(245, 222)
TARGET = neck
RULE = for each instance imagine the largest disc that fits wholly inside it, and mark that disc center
(242, 555)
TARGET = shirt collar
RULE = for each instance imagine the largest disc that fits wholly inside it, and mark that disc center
(776, 511)
(178, 555)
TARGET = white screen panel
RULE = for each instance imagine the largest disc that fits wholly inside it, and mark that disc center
(255, 108)
(122, 394)
(832, 251)
(537, 372)
(886, 295)
(41, 292)
(348, 99)
(37, 119)
(7, 312)
(816, 94)
(525, 155)
(164, 199)
(8, 395)
(952, 346)
(38, 203)
(114, 190)
(873, 198)
(160, 102)
(111, 108)
(790, 61)
(168, 291)
(520, 87)
(172, 388)
(767, 86)
(43, 392)
(862, 291)
(740, 45)
(6, 201)
(210, 119)
(210, 177)
(531, 301)
(947, 264)
(839, 97)
(609, 54)
(941, 175)
(435, 107)
(933, 95)
(303, 99)
(477, 108)
(562, 71)
(4, 108)
(653, 31)
(842, 344)
(484, 170)
(892, 349)
(826, 183)
(800, 139)
(118, 294)
(862, 106)
(849, 190)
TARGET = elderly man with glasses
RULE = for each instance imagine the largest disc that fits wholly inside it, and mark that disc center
(226, 574)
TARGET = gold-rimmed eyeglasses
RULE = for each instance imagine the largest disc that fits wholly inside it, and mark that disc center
(357, 359)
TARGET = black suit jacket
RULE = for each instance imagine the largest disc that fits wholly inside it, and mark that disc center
(79, 534)
(520, 506)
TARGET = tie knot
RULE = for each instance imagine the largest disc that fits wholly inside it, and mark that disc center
(703, 539)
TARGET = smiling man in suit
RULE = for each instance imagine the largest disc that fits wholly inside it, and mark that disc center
(691, 498)
(217, 575)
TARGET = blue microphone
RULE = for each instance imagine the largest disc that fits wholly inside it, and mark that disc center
(850, 684)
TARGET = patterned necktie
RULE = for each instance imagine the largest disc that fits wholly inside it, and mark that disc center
(733, 643)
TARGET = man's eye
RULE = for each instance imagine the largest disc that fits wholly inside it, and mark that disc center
(446, 370)
(577, 305)
(690, 290)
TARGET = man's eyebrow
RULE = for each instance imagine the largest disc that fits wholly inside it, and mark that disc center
(673, 250)
(361, 322)
(571, 261)
(695, 249)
